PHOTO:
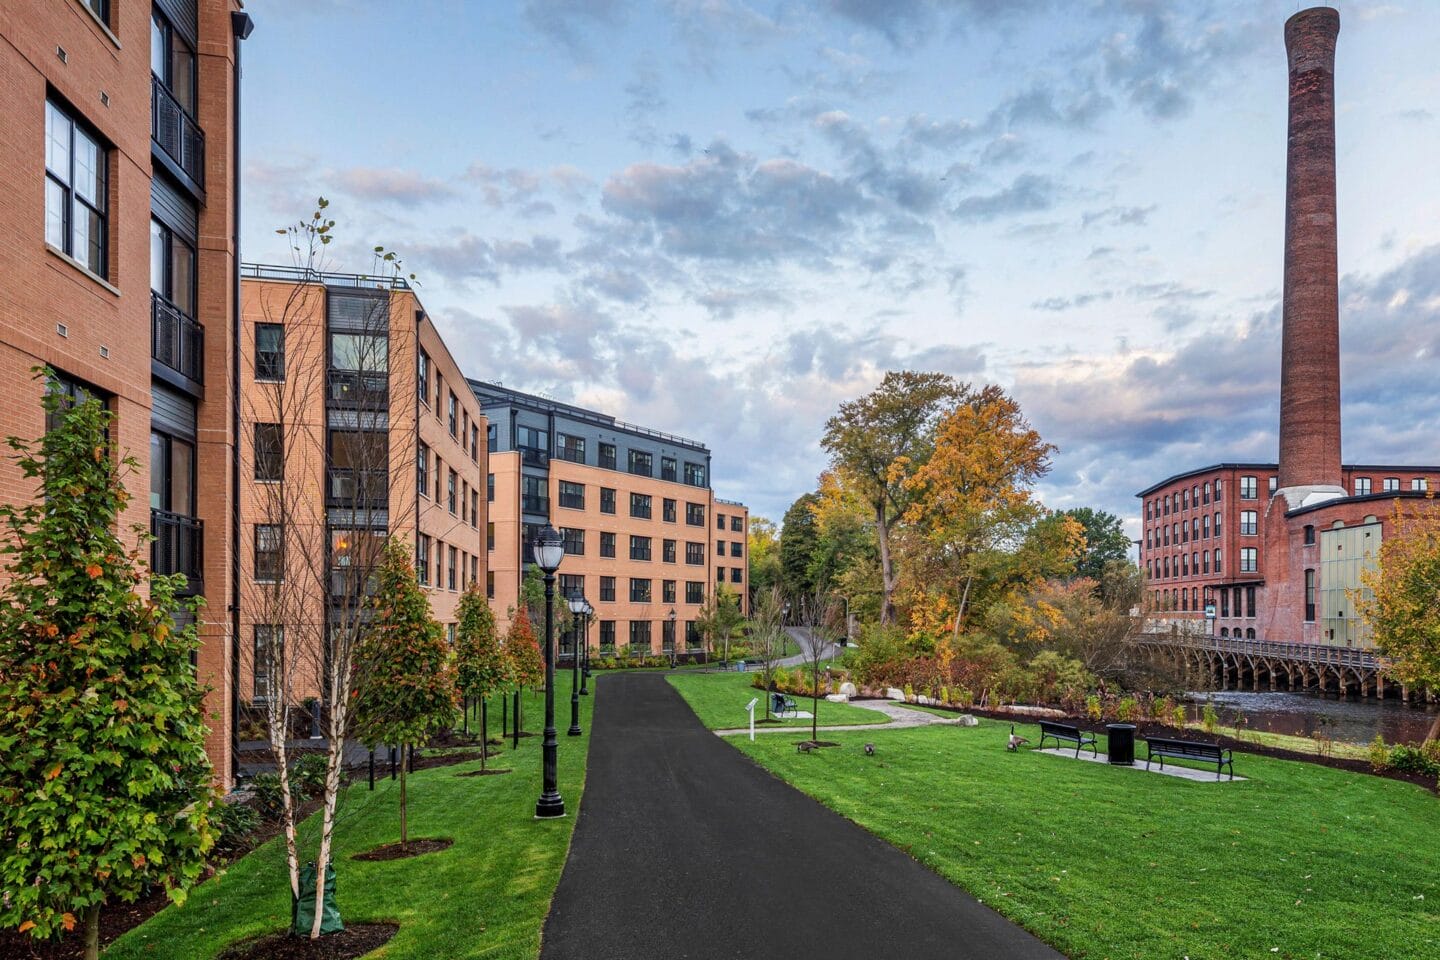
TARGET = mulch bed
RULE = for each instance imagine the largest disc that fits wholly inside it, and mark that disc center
(415, 848)
(354, 941)
(1147, 728)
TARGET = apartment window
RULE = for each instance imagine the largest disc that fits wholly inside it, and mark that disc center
(737, 524)
(1165, 568)
(422, 377)
(667, 591)
(607, 545)
(639, 548)
(172, 61)
(450, 491)
(607, 456)
(736, 574)
(695, 514)
(1419, 483)
(1248, 488)
(454, 415)
(474, 442)
(668, 469)
(695, 474)
(1218, 523)
(1273, 483)
(694, 591)
(1362, 486)
(695, 554)
(639, 590)
(1205, 526)
(439, 392)
(475, 508)
(574, 541)
(607, 500)
(1249, 524)
(719, 521)
(490, 584)
(269, 452)
(490, 536)
(570, 448)
(1250, 604)
(667, 635)
(1309, 535)
(1309, 596)
(76, 190)
(533, 496)
(1205, 561)
(172, 268)
(450, 579)
(1217, 562)
(572, 584)
(607, 590)
(668, 551)
(422, 470)
(1224, 603)
(1390, 484)
(640, 635)
(607, 633)
(668, 508)
(464, 501)
(1165, 505)
(572, 495)
(1165, 533)
(1205, 491)
(719, 548)
(640, 505)
(736, 548)
(269, 646)
(1185, 500)
(269, 352)
(1218, 486)
(172, 474)
(1184, 565)
(489, 488)
(422, 559)
(641, 463)
(492, 438)
(269, 553)
(719, 574)
(1148, 511)
(1249, 560)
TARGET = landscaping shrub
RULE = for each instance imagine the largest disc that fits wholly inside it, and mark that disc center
(1093, 708)
(269, 800)
(1407, 759)
(235, 823)
(307, 775)
(1209, 719)
(1125, 710)
(1379, 754)
(1178, 716)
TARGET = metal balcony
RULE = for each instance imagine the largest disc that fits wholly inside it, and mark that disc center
(351, 487)
(177, 547)
(176, 340)
(534, 456)
(540, 506)
(176, 132)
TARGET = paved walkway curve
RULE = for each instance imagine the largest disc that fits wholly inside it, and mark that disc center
(900, 718)
(686, 849)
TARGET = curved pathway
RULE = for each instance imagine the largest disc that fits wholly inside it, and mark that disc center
(900, 718)
(686, 849)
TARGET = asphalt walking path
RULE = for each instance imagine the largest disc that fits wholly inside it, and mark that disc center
(686, 849)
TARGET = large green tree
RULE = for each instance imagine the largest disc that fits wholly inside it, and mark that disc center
(1105, 541)
(765, 570)
(105, 788)
(405, 681)
(799, 538)
(480, 667)
(878, 442)
(719, 618)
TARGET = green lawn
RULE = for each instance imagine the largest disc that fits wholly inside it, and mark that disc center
(486, 896)
(719, 700)
(1299, 861)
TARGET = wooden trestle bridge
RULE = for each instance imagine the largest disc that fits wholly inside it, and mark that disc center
(1232, 663)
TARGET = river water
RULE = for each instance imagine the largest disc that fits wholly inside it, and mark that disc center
(1354, 720)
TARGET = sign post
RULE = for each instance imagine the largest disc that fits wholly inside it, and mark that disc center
(751, 710)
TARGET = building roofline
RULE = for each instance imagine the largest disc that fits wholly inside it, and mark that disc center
(1375, 467)
(485, 390)
(292, 274)
(1364, 498)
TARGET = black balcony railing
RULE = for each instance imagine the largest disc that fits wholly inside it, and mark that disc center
(349, 486)
(529, 503)
(534, 456)
(177, 547)
(176, 340)
(364, 391)
(176, 132)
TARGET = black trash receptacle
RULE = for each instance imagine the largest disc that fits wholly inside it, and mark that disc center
(1122, 743)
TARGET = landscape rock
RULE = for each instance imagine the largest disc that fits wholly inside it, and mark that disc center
(837, 698)
(895, 694)
(966, 720)
(848, 688)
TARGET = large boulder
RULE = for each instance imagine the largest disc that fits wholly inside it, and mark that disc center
(894, 693)
(837, 698)
(848, 688)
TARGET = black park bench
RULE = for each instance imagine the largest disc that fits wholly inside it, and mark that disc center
(781, 704)
(1067, 733)
(1160, 748)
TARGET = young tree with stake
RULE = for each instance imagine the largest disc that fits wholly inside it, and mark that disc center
(105, 788)
(822, 620)
(480, 667)
(767, 637)
(406, 687)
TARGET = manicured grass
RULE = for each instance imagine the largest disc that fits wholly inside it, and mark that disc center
(1300, 860)
(719, 700)
(486, 896)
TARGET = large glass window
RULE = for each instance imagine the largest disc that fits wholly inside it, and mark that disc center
(269, 553)
(1248, 488)
(363, 352)
(572, 495)
(172, 61)
(570, 448)
(694, 591)
(640, 505)
(695, 554)
(1362, 486)
(76, 190)
(639, 548)
(172, 267)
(641, 463)
(695, 514)
(695, 474)
(1249, 523)
(574, 540)
(269, 651)
(269, 452)
(1249, 560)
(269, 352)
(639, 590)
(640, 636)
(668, 469)
(172, 474)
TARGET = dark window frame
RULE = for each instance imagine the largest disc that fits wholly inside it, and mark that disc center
(70, 194)
(269, 450)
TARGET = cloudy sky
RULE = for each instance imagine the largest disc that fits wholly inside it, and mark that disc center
(720, 218)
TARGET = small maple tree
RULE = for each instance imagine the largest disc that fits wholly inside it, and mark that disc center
(480, 665)
(405, 680)
(105, 788)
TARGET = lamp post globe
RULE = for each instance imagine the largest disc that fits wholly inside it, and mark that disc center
(549, 552)
(585, 634)
(577, 607)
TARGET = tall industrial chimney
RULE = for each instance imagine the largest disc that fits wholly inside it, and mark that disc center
(1310, 354)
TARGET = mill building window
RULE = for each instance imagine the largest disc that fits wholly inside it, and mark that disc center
(1362, 486)
(1248, 489)
(1419, 483)
(1309, 596)
(1249, 560)
(76, 190)
(1249, 523)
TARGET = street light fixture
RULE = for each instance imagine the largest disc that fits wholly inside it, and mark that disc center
(577, 609)
(672, 638)
(549, 551)
(585, 670)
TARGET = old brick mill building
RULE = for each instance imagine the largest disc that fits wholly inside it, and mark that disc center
(1276, 550)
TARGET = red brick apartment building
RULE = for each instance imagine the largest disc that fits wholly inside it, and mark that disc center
(118, 236)
(1277, 549)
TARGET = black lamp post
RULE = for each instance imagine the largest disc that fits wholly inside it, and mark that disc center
(671, 618)
(549, 551)
(585, 637)
(577, 609)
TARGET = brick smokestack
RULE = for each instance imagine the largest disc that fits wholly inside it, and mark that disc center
(1310, 354)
